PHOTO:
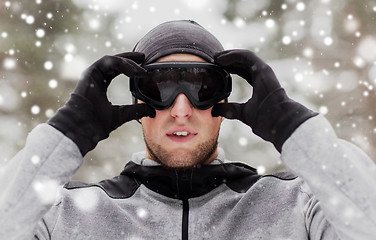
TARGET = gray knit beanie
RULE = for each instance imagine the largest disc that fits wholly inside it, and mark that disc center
(180, 36)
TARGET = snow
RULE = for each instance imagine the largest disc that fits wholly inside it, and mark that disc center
(108, 44)
(328, 41)
(30, 19)
(53, 83)
(367, 49)
(299, 77)
(49, 113)
(359, 62)
(269, 23)
(142, 213)
(324, 110)
(323, 52)
(46, 189)
(308, 52)
(9, 63)
(70, 48)
(40, 33)
(239, 22)
(94, 24)
(300, 6)
(48, 65)
(286, 40)
(35, 159)
(35, 109)
(68, 57)
(243, 141)
(261, 170)
(86, 200)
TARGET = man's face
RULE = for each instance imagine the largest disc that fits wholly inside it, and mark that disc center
(181, 136)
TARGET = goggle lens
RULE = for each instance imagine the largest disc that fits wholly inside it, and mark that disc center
(203, 83)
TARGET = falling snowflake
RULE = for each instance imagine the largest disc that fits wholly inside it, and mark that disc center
(40, 33)
(46, 189)
(86, 200)
(35, 109)
(261, 170)
(300, 6)
(328, 41)
(243, 141)
(324, 110)
(286, 40)
(35, 159)
(141, 212)
(30, 19)
(48, 65)
(9, 63)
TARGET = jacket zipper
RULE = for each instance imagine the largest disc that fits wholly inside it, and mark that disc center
(184, 189)
(185, 219)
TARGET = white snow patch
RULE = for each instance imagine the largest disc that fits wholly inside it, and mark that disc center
(46, 189)
(141, 212)
(40, 33)
(367, 49)
(86, 200)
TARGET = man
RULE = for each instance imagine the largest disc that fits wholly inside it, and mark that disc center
(182, 187)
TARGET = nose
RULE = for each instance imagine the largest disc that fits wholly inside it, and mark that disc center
(182, 107)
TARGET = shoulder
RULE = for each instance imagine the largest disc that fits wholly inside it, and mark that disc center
(285, 181)
(283, 176)
(245, 178)
(117, 187)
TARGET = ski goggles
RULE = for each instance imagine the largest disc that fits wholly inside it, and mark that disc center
(204, 84)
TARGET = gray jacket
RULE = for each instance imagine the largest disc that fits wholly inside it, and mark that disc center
(333, 195)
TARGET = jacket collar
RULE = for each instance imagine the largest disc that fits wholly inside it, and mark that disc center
(192, 182)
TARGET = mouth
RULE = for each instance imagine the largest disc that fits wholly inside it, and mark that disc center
(181, 135)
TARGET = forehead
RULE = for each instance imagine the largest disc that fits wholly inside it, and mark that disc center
(181, 57)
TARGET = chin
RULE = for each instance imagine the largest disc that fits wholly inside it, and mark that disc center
(181, 159)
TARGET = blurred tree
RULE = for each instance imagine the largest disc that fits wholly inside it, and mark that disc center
(44, 48)
(323, 52)
(329, 38)
(31, 30)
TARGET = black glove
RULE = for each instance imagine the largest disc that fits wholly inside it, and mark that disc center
(88, 116)
(270, 113)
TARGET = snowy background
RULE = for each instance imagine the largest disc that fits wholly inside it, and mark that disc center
(323, 52)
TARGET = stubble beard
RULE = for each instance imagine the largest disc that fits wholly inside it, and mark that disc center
(182, 159)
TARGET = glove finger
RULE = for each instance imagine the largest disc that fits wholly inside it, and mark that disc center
(128, 67)
(250, 67)
(227, 110)
(111, 66)
(135, 56)
(240, 62)
(232, 57)
(126, 113)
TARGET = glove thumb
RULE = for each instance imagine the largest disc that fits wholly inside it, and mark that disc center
(228, 110)
(126, 113)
